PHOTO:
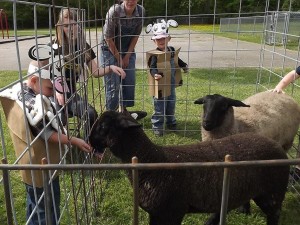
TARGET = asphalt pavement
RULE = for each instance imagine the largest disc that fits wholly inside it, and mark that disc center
(199, 50)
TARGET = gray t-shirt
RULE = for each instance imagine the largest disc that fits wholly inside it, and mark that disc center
(121, 28)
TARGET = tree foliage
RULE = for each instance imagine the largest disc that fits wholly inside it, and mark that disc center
(96, 9)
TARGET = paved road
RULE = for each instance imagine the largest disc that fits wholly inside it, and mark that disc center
(197, 49)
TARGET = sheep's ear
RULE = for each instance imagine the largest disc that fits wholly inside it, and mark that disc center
(148, 28)
(199, 101)
(128, 123)
(236, 103)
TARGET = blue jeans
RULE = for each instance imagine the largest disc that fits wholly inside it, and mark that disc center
(40, 211)
(164, 107)
(113, 95)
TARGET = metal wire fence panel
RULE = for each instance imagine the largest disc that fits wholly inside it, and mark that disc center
(242, 24)
(279, 27)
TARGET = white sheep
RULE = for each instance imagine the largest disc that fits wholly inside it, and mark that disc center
(167, 195)
(273, 115)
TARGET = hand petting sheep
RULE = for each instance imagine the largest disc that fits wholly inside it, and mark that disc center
(167, 195)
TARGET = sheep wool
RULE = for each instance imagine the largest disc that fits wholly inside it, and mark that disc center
(273, 115)
(167, 195)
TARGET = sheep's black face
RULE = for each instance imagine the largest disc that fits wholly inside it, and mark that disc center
(108, 129)
(214, 112)
(98, 136)
(215, 108)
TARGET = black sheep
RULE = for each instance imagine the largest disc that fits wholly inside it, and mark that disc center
(167, 195)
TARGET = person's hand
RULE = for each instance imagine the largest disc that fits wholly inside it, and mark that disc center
(278, 90)
(118, 70)
(81, 144)
(157, 76)
(60, 98)
(125, 61)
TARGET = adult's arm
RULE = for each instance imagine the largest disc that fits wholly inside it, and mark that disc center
(113, 49)
(111, 22)
(134, 40)
(125, 60)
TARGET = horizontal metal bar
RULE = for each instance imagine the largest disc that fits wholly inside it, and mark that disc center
(149, 166)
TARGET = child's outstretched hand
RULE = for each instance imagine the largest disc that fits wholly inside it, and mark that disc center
(81, 144)
(118, 71)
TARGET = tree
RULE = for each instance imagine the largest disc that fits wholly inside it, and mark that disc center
(291, 5)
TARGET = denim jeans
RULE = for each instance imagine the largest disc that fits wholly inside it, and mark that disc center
(164, 108)
(39, 217)
(113, 82)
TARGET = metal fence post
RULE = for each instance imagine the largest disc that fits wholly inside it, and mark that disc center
(225, 192)
(7, 194)
(135, 184)
(47, 199)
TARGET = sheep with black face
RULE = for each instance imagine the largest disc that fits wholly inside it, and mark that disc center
(167, 195)
(273, 115)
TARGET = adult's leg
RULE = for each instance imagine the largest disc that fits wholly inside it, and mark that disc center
(111, 81)
(128, 84)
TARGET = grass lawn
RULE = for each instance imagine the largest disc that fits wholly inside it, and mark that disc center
(109, 200)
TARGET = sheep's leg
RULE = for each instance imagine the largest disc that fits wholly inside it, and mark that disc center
(271, 207)
(245, 208)
(214, 219)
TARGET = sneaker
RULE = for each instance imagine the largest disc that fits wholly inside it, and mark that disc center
(158, 132)
(172, 126)
(138, 115)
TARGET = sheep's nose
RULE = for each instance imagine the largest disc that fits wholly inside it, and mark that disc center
(207, 125)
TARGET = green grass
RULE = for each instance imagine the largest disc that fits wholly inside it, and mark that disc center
(28, 32)
(110, 201)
